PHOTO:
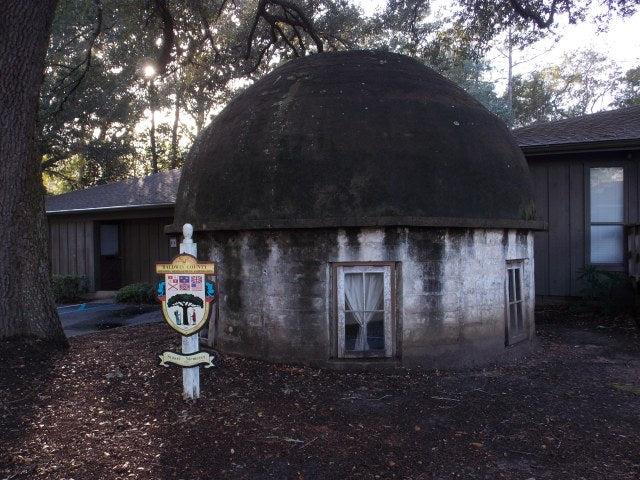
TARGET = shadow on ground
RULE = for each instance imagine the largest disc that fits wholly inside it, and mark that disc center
(567, 411)
(26, 395)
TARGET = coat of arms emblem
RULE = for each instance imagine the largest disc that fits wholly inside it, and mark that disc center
(185, 293)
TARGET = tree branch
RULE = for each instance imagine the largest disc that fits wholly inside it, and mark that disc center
(305, 22)
(254, 25)
(292, 15)
(168, 36)
(72, 181)
(88, 56)
(261, 55)
(206, 27)
(529, 14)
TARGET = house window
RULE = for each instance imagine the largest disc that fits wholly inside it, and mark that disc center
(606, 228)
(364, 307)
(516, 321)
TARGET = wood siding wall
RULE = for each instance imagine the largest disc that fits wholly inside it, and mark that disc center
(562, 199)
(144, 243)
(71, 248)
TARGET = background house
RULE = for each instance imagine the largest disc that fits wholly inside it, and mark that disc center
(113, 234)
(585, 172)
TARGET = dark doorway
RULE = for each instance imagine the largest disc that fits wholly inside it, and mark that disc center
(110, 256)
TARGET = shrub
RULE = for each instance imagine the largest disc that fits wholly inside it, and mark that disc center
(137, 293)
(68, 288)
(611, 290)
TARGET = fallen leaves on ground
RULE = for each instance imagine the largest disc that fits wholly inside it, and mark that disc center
(104, 409)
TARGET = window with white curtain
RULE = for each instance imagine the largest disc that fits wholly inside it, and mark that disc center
(606, 227)
(364, 310)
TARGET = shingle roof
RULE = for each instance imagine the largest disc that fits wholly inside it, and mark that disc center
(621, 125)
(151, 191)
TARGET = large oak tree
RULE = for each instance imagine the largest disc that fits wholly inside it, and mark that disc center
(26, 301)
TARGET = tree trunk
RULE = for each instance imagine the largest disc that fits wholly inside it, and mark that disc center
(27, 306)
(152, 131)
(510, 79)
(152, 138)
(174, 129)
(199, 111)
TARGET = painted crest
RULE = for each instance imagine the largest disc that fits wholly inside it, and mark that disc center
(185, 293)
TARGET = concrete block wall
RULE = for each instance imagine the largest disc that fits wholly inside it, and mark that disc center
(276, 299)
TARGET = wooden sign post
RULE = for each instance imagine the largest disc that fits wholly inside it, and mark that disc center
(185, 297)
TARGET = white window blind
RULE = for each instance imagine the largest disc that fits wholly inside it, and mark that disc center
(606, 190)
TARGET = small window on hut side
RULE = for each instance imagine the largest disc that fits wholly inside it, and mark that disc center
(516, 321)
(364, 310)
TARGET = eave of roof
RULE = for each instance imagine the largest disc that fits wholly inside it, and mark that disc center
(437, 222)
(579, 147)
(111, 208)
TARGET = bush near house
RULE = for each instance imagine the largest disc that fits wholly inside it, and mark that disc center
(611, 291)
(137, 293)
(68, 288)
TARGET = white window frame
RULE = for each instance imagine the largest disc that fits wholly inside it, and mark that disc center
(590, 223)
(512, 298)
(388, 270)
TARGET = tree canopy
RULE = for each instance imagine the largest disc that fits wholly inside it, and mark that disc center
(127, 86)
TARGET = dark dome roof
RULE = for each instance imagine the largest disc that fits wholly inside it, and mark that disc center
(354, 139)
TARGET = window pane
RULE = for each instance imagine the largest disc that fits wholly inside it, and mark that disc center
(516, 272)
(353, 291)
(108, 239)
(511, 292)
(375, 331)
(374, 291)
(607, 244)
(607, 194)
(351, 332)
(520, 318)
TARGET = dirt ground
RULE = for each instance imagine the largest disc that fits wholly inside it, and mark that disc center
(105, 410)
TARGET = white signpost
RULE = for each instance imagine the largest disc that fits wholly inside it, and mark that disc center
(190, 376)
(186, 296)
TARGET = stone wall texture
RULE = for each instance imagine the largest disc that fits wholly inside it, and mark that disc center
(277, 301)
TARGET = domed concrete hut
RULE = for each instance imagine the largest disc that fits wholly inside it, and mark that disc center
(362, 208)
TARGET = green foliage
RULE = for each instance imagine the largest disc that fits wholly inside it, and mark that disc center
(611, 290)
(488, 18)
(530, 212)
(577, 86)
(469, 74)
(629, 91)
(69, 288)
(137, 293)
(533, 99)
(407, 27)
(96, 102)
(184, 299)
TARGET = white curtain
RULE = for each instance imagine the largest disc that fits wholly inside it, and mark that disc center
(374, 286)
(354, 297)
(363, 294)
